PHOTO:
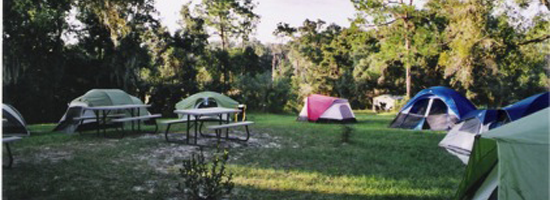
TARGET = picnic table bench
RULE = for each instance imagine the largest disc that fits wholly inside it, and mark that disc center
(6, 141)
(196, 117)
(218, 129)
(104, 119)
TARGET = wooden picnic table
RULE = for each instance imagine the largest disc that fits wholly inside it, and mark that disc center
(102, 120)
(199, 113)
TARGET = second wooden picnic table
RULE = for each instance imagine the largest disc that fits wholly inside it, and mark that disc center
(195, 115)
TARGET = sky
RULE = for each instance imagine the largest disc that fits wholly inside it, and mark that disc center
(271, 12)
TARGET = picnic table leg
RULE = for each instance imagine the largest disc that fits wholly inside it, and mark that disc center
(96, 112)
(139, 121)
(10, 157)
(188, 127)
(227, 129)
(196, 129)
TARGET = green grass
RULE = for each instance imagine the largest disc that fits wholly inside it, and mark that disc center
(291, 160)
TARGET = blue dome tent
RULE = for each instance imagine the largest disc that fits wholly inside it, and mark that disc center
(435, 108)
(527, 106)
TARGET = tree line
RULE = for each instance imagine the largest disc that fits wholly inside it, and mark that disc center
(478, 47)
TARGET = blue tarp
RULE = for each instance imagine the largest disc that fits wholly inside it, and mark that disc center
(454, 101)
(527, 106)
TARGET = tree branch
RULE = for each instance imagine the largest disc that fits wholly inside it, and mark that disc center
(383, 24)
(536, 40)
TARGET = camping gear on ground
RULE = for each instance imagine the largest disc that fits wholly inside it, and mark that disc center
(13, 123)
(385, 102)
(513, 157)
(319, 108)
(527, 106)
(435, 108)
(77, 118)
(460, 138)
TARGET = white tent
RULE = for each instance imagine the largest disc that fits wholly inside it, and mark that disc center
(324, 109)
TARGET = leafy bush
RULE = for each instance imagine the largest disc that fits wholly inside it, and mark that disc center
(204, 181)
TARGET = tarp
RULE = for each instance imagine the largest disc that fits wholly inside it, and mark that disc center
(220, 99)
(527, 106)
(317, 105)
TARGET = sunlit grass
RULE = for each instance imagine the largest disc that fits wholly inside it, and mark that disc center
(308, 161)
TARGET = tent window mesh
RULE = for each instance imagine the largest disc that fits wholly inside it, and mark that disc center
(420, 107)
(438, 107)
(206, 104)
(411, 121)
(398, 120)
(471, 126)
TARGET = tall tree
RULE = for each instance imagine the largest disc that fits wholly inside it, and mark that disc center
(396, 16)
(230, 18)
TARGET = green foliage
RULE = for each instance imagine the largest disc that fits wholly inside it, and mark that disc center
(266, 93)
(202, 180)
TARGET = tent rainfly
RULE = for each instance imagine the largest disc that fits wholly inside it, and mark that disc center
(435, 108)
(13, 123)
(319, 108)
(514, 158)
(527, 106)
(95, 97)
(207, 99)
(460, 138)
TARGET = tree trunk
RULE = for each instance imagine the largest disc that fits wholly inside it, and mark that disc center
(407, 64)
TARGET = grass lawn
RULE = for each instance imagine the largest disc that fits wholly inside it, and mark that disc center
(284, 159)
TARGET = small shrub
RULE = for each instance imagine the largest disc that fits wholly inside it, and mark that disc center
(346, 134)
(205, 181)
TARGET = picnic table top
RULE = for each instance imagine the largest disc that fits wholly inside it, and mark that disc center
(10, 139)
(207, 111)
(118, 107)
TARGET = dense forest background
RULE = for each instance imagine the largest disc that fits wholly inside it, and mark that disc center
(482, 48)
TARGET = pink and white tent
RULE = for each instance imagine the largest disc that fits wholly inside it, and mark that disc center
(322, 108)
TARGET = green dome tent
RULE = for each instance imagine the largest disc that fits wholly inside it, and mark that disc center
(514, 158)
(205, 98)
(92, 98)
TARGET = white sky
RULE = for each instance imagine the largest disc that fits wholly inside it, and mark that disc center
(271, 12)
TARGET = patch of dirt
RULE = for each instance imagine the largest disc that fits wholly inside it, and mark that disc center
(168, 158)
(47, 154)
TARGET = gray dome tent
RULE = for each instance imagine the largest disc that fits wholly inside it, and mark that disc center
(95, 97)
(13, 123)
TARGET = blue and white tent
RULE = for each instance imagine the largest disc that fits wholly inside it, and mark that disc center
(460, 139)
(527, 106)
(435, 108)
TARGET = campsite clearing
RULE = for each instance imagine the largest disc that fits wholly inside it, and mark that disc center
(284, 159)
